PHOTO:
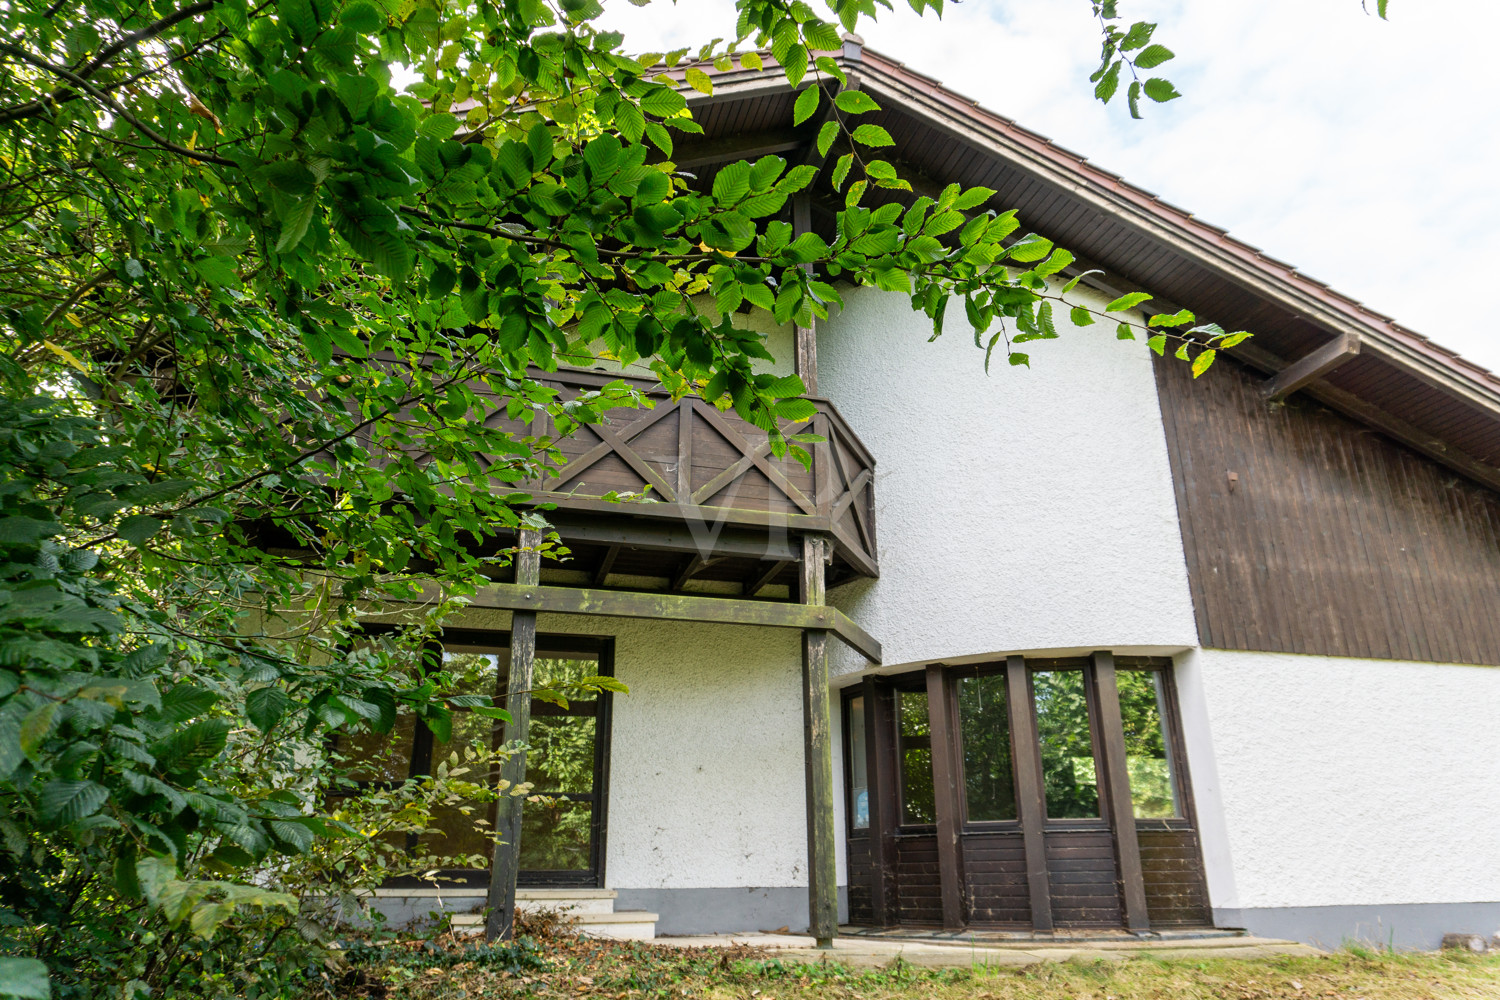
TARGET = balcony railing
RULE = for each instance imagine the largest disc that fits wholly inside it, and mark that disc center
(695, 463)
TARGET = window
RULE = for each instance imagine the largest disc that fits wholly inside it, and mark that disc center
(915, 747)
(859, 778)
(989, 780)
(1069, 777)
(1153, 786)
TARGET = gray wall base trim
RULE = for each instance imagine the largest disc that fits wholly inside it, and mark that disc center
(1399, 925)
(715, 911)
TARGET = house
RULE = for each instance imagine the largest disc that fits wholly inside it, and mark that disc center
(1087, 645)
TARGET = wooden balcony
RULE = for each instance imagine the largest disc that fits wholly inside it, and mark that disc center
(718, 513)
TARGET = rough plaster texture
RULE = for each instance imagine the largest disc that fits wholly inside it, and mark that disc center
(1024, 510)
(1351, 783)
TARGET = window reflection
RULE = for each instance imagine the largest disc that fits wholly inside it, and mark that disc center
(989, 780)
(1153, 790)
(1069, 777)
(917, 803)
(859, 780)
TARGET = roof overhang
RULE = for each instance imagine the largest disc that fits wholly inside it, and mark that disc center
(1375, 370)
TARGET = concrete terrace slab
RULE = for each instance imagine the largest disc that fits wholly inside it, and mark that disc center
(860, 951)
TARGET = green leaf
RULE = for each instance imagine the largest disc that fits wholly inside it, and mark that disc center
(440, 126)
(855, 102)
(699, 80)
(1232, 339)
(826, 135)
(972, 197)
(265, 706)
(1202, 362)
(24, 978)
(663, 102)
(36, 727)
(1158, 343)
(1153, 55)
(137, 528)
(65, 802)
(1180, 318)
(1081, 316)
(18, 530)
(807, 105)
(1124, 331)
(1129, 301)
(873, 135)
(1059, 260)
(295, 223)
(732, 182)
(841, 170)
(1029, 248)
(1160, 90)
(1138, 35)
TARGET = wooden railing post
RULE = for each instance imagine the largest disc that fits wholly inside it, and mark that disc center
(817, 745)
(807, 338)
(1117, 778)
(501, 901)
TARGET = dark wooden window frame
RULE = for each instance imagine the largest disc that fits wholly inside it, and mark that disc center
(1109, 816)
(562, 645)
(846, 703)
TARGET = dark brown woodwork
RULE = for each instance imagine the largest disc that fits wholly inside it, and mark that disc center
(1312, 366)
(947, 792)
(1172, 870)
(1117, 802)
(1031, 807)
(817, 745)
(1084, 880)
(501, 899)
(674, 607)
(998, 890)
(763, 576)
(1333, 539)
(606, 564)
(880, 729)
(919, 893)
(716, 488)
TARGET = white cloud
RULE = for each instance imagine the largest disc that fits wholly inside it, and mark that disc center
(1367, 153)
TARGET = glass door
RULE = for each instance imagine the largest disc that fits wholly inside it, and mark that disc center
(567, 763)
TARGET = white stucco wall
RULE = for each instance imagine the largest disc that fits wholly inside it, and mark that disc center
(1023, 510)
(1335, 781)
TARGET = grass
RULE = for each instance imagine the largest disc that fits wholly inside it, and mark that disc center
(561, 965)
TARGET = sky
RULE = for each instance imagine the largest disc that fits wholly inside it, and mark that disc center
(1364, 152)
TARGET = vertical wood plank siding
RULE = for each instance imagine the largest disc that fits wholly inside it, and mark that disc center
(1332, 539)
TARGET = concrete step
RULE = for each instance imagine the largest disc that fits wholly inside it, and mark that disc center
(626, 925)
(575, 902)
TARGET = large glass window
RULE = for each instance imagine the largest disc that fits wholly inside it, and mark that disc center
(1153, 789)
(859, 778)
(1069, 777)
(989, 779)
(915, 739)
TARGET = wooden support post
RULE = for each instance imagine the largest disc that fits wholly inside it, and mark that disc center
(807, 340)
(501, 901)
(1117, 780)
(817, 745)
(880, 773)
(1031, 802)
(946, 798)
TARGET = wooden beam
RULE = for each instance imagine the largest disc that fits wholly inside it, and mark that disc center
(1031, 802)
(1312, 366)
(817, 747)
(617, 526)
(1117, 791)
(689, 568)
(506, 864)
(606, 564)
(672, 607)
(759, 581)
(880, 734)
(946, 797)
(807, 339)
(739, 146)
